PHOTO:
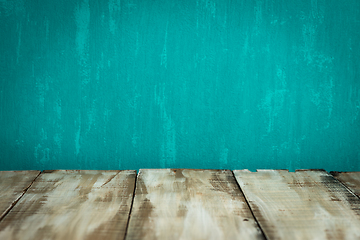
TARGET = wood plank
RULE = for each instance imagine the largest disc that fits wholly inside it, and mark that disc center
(73, 205)
(13, 184)
(190, 204)
(301, 205)
(350, 180)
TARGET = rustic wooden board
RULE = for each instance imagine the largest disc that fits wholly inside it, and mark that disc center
(190, 204)
(301, 205)
(350, 180)
(13, 185)
(73, 205)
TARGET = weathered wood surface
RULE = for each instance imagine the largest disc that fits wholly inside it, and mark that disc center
(72, 205)
(190, 204)
(301, 205)
(350, 180)
(13, 184)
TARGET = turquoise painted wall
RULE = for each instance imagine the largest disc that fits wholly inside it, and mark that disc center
(128, 84)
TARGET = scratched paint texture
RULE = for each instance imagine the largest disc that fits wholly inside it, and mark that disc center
(128, 84)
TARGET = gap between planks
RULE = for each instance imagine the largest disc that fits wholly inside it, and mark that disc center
(72, 204)
(301, 205)
(135, 187)
(14, 202)
(190, 204)
(248, 204)
(131, 207)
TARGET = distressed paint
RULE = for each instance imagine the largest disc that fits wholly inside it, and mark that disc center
(134, 84)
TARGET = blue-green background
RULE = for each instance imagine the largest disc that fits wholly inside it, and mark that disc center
(129, 84)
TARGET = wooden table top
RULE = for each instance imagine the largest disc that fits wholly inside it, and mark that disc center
(179, 204)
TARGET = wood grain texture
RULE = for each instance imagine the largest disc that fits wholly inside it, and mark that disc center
(301, 205)
(350, 180)
(190, 204)
(73, 205)
(12, 186)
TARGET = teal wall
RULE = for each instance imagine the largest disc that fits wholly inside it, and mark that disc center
(128, 84)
